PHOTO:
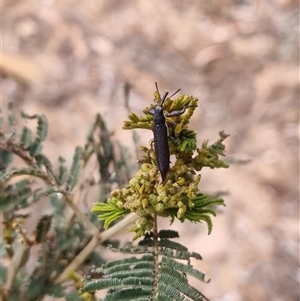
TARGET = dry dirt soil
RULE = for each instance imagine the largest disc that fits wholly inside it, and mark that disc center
(70, 59)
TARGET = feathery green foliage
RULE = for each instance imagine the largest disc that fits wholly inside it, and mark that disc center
(63, 236)
(157, 274)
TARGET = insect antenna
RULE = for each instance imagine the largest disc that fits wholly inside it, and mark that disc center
(175, 93)
(165, 95)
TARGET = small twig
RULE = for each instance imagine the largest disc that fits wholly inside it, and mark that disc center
(18, 150)
(155, 254)
(30, 172)
(19, 259)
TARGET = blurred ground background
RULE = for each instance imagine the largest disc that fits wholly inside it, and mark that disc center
(71, 59)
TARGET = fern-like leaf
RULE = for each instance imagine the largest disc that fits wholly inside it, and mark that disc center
(141, 277)
(26, 137)
(62, 175)
(15, 194)
(74, 173)
(109, 212)
(203, 207)
(42, 228)
(6, 158)
(42, 127)
(35, 148)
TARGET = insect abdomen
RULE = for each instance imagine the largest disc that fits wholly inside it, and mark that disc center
(162, 153)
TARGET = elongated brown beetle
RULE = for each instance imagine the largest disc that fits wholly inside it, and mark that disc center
(160, 132)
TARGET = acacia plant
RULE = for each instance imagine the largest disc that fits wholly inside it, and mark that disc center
(157, 274)
(67, 241)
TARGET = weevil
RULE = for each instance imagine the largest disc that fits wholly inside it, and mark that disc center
(160, 133)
